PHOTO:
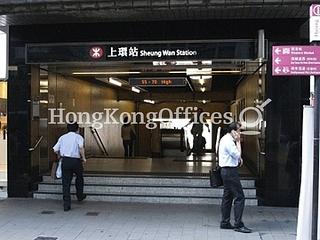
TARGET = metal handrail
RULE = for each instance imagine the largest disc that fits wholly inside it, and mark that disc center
(36, 145)
(99, 140)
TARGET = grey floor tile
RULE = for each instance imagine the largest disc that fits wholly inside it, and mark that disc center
(22, 219)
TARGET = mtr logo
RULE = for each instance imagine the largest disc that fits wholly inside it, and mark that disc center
(315, 10)
(96, 52)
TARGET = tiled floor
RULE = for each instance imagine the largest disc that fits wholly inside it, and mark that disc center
(179, 165)
(28, 219)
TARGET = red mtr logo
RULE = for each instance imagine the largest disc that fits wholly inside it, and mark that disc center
(96, 52)
(315, 10)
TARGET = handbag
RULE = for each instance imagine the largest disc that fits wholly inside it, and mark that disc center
(54, 169)
(215, 177)
(59, 169)
(215, 174)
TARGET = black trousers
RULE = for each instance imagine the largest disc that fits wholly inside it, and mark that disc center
(232, 191)
(128, 148)
(71, 166)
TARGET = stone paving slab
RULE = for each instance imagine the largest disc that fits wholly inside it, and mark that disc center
(30, 219)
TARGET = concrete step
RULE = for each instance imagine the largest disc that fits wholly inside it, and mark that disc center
(3, 194)
(149, 180)
(3, 175)
(3, 189)
(146, 190)
(3, 183)
(143, 198)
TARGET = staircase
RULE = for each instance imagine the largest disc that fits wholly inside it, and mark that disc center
(3, 184)
(146, 189)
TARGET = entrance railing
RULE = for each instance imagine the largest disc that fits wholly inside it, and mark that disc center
(99, 141)
(36, 145)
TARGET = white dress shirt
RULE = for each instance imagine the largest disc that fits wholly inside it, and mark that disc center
(69, 145)
(229, 155)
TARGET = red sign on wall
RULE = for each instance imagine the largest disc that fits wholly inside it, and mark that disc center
(295, 60)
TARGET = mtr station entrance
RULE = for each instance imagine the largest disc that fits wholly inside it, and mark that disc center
(96, 83)
(215, 61)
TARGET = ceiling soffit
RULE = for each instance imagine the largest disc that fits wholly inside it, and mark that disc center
(16, 12)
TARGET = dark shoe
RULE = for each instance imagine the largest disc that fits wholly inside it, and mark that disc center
(66, 209)
(80, 199)
(226, 226)
(243, 229)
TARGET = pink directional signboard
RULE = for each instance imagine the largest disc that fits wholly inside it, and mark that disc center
(295, 60)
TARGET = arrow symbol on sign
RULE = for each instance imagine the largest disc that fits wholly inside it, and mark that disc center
(277, 70)
(278, 50)
(277, 60)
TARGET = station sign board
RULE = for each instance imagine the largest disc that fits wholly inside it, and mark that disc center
(55, 53)
(158, 82)
(295, 60)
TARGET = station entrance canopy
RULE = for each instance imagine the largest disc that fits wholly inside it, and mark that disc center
(162, 60)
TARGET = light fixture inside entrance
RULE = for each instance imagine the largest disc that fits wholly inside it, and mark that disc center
(105, 73)
(226, 71)
(175, 63)
(177, 72)
(115, 82)
(206, 62)
(43, 90)
(201, 81)
(203, 89)
(182, 63)
(185, 63)
(44, 83)
(206, 72)
(199, 71)
(149, 101)
(199, 77)
(134, 89)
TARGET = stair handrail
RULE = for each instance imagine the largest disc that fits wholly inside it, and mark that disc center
(36, 145)
(99, 140)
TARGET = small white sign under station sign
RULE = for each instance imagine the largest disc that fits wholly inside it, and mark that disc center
(314, 22)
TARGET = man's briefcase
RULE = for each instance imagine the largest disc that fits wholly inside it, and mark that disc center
(215, 177)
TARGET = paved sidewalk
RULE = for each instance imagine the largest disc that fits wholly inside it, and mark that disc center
(29, 219)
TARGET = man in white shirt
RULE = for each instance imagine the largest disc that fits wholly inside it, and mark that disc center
(229, 160)
(70, 148)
